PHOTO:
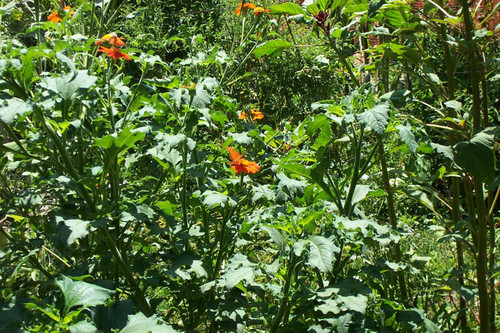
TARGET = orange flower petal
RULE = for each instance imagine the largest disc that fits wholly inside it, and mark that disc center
(54, 17)
(114, 52)
(239, 164)
(233, 154)
(256, 114)
(243, 115)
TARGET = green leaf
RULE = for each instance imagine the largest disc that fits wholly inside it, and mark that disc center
(83, 327)
(123, 141)
(239, 268)
(397, 97)
(407, 137)
(476, 156)
(376, 118)
(79, 293)
(360, 193)
(204, 91)
(263, 191)
(187, 266)
(213, 198)
(67, 86)
(321, 253)
(140, 323)
(271, 48)
(8, 8)
(445, 151)
(287, 8)
(242, 138)
(11, 108)
(69, 230)
(276, 237)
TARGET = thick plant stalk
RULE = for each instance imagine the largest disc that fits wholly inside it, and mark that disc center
(455, 182)
(392, 219)
(482, 223)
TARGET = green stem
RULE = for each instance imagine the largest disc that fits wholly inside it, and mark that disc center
(286, 290)
(355, 173)
(473, 57)
(344, 62)
(68, 164)
(482, 257)
(125, 268)
(127, 110)
(392, 218)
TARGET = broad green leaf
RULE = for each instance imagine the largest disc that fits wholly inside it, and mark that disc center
(407, 137)
(321, 253)
(123, 141)
(263, 191)
(376, 118)
(79, 293)
(140, 323)
(68, 85)
(360, 193)
(287, 8)
(271, 48)
(476, 156)
(204, 90)
(446, 151)
(66, 61)
(213, 198)
(397, 97)
(83, 327)
(242, 138)
(455, 105)
(69, 230)
(12, 108)
(239, 268)
(186, 266)
(276, 237)
(310, 174)
(400, 52)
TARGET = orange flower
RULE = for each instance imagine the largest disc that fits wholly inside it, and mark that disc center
(191, 86)
(68, 9)
(255, 115)
(245, 8)
(259, 10)
(239, 164)
(114, 52)
(55, 17)
(111, 39)
(243, 115)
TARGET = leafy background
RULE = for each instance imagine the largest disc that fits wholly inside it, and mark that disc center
(375, 208)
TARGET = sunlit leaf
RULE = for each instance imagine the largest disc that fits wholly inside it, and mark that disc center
(476, 156)
(406, 135)
(79, 293)
(271, 48)
(12, 108)
(321, 253)
(140, 323)
(287, 8)
(376, 118)
(276, 237)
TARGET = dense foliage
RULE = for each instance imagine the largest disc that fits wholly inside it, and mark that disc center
(212, 166)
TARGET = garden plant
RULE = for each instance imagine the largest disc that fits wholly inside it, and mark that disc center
(264, 166)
